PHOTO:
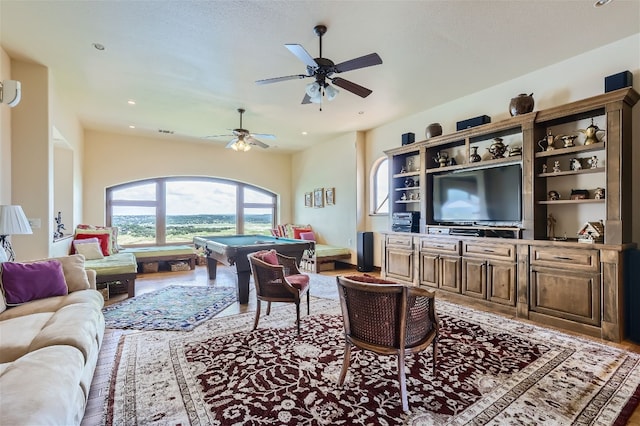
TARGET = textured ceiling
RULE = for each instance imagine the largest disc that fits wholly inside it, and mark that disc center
(190, 64)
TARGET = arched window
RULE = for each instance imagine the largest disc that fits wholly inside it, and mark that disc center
(379, 184)
(173, 210)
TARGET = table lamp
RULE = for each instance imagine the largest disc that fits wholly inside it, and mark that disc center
(12, 222)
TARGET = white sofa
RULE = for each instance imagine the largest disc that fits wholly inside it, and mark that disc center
(49, 350)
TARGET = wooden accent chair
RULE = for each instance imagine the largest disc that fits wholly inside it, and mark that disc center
(389, 319)
(277, 279)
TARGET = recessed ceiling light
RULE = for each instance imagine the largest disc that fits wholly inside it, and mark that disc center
(304, 133)
(98, 46)
(600, 3)
(131, 102)
(131, 126)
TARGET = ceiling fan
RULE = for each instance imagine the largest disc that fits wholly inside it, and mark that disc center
(244, 140)
(323, 69)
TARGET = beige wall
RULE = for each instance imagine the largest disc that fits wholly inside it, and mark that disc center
(573, 79)
(5, 135)
(331, 164)
(112, 159)
(31, 159)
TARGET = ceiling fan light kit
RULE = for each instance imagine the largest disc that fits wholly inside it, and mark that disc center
(323, 69)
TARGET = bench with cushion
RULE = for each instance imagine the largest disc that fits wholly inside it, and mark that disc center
(323, 257)
(120, 267)
(184, 253)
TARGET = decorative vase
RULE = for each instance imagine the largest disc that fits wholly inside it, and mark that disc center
(521, 104)
(497, 148)
(433, 129)
(474, 157)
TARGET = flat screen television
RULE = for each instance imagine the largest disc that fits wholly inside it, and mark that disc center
(483, 196)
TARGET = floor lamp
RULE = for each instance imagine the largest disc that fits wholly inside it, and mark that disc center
(12, 222)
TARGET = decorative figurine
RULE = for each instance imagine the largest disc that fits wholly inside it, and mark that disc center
(409, 182)
(575, 164)
(556, 166)
(441, 158)
(568, 140)
(404, 196)
(593, 161)
(515, 151)
(403, 170)
(451, 162)
(554, 195)
(410, 164)
(544, 168)
(598, 194)
(59, 227)
(548, 144)
(551, 226)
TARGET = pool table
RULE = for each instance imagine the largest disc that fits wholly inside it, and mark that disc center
(233, 250)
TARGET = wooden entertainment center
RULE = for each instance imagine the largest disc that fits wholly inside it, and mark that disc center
(534, 268)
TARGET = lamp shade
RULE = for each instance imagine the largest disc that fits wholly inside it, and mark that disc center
(13, 221)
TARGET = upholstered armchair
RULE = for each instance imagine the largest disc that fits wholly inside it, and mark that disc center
(277, 279)
(388, 319)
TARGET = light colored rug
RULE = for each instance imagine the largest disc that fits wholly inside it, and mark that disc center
(491, 370)
(179, 308)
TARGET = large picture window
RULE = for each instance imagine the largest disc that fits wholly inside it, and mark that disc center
(173, 210)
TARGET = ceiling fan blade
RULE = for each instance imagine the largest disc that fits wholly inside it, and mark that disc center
(215, 136)
(285, 78)
(253, 141)
(306, 99)
(363, 92)
(361, 62)
(231, 142)
(302, 54)
(262, 135)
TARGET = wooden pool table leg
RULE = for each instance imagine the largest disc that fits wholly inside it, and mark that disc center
(243, 287)
(212, 267)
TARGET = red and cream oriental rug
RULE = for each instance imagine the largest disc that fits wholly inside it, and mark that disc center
(491, 370)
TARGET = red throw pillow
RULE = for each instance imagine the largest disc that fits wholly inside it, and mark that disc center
(24, 282)
(297, 230)
(268, 256)
(307, 236)
(104, 240)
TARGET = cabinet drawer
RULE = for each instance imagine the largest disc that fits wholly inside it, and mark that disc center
(556, 257)
(489, 251)
(400, 241)
(440, 245)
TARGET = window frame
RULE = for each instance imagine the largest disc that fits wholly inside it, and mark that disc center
(160, 203)
(374, 210)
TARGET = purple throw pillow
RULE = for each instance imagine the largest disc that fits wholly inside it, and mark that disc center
(23, 282)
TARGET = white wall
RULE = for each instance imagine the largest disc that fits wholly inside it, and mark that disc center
(111, 159)
(570, 80)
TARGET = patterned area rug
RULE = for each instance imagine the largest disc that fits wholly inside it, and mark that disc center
(491, 370)
(178, 308)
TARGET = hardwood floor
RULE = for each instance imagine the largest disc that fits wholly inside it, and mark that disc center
(153, 281)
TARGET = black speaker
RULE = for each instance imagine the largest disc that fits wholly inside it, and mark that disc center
(408, 138)
(365, 251)
(618, 81)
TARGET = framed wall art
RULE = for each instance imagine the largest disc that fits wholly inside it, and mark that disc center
(308, 199)
(329, 195)
(318, 197)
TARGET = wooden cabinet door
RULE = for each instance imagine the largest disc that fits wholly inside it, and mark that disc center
(449, 273)
(399, 264)
(501, 282)
(566, 294)
(474, 277)
(429, 269)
